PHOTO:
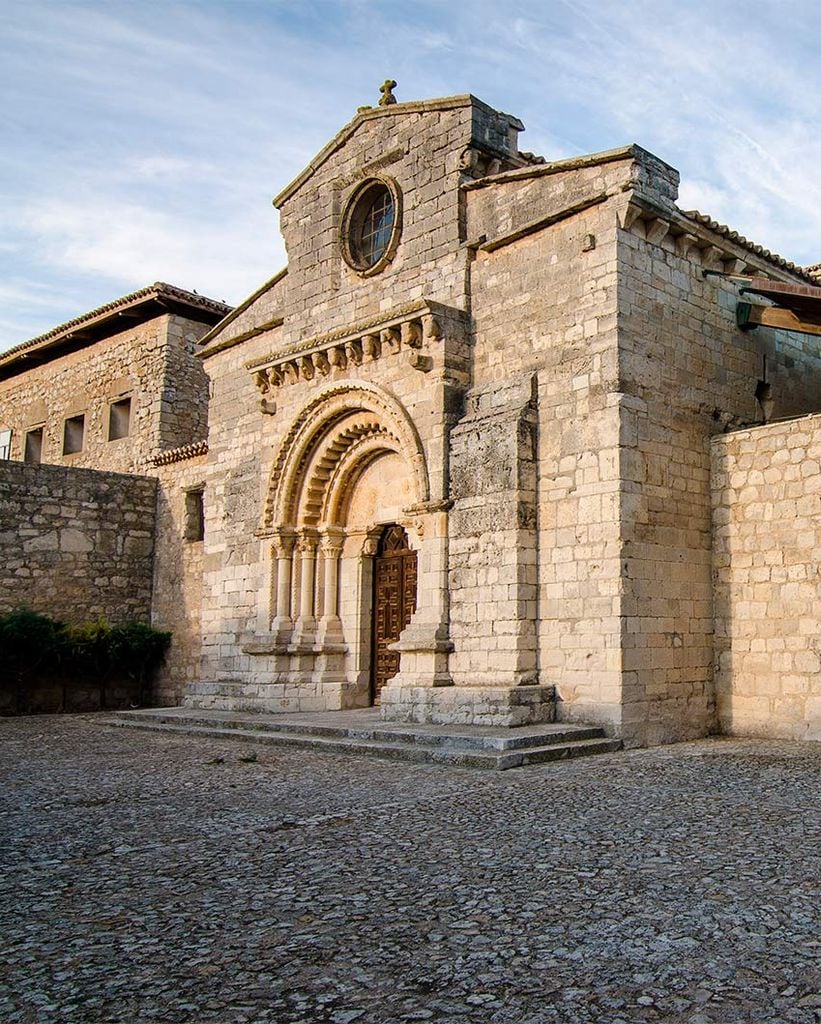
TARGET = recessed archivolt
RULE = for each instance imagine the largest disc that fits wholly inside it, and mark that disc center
(320, 442)
(347, 472)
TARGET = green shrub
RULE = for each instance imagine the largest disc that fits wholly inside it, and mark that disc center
(35, 647)
(29, 642)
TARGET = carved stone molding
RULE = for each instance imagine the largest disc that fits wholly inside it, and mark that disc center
(411, 328)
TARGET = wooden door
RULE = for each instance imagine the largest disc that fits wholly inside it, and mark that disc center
(394, 601)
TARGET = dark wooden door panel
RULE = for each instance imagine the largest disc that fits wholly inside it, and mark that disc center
(394, 602)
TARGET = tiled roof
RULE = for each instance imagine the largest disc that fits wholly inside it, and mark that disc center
(186, 451)
(158, 290)
(758, 250)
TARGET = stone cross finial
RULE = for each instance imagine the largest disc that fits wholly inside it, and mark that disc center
(386, 88)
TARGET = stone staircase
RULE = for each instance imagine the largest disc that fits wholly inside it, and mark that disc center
(364, 733)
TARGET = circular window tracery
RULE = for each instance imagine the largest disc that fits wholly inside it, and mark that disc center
(370, 230)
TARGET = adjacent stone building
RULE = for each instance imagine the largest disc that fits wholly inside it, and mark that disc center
(459, 451)
(116, 391)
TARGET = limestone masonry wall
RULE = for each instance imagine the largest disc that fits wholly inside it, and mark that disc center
(546, 304)
(76, 544)
(766, 558)
(178, 576)
(150, 363)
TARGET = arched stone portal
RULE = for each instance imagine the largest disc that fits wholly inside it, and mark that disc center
(351, 464)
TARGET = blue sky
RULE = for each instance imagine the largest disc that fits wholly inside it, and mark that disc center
(143, 141)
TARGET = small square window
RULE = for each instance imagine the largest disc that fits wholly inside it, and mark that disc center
(73, 432)
(119, 419)
(33, 450)
(5, 444)
(194, 515)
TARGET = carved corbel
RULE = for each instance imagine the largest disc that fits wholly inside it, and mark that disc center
(337, 357)
(684, 243)
(306, 368)
(267, 406)
(371, 346)
(710, 254)
(628, 215)
(390, 339)
(411, 334)
(370, 546)
(733, 266)
(353, 350)
(321, 363)
(431, 328)
(419, 362)
(261, 381)
(656, 230)
(290, 372)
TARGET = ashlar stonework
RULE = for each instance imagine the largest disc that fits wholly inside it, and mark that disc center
(520, 370)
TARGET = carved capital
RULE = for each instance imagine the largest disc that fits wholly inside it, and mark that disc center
(282, 545)
(307, 546)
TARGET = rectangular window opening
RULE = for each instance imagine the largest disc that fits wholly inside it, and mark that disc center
(33, 450)
(119, 419)
(5, 444)
(194, 515)
(73, 432)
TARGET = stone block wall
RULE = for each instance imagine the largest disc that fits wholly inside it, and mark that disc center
(151, 363)
(76, 544)
(177, 597)
(766, 559)
(546, 304)
(687, 373)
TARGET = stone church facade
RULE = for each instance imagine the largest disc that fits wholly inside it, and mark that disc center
(470, 456)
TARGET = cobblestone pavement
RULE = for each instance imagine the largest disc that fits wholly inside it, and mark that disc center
(156, 878)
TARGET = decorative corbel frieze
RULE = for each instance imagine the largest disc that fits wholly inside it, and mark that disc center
(412, 328)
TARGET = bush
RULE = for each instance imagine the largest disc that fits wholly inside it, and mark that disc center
(29, 641)
(39, 650)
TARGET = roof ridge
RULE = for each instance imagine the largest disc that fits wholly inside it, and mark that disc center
(157, 288)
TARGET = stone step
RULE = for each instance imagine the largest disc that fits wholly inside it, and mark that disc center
(472, 747)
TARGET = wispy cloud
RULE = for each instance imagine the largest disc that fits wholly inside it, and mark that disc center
(144, 141)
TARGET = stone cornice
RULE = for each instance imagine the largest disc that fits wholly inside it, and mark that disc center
(411, 327)
(714, 245)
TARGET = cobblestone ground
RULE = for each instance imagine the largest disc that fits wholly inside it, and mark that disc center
(156, 878)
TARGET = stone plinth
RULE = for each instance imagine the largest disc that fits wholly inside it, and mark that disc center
(469, 705)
